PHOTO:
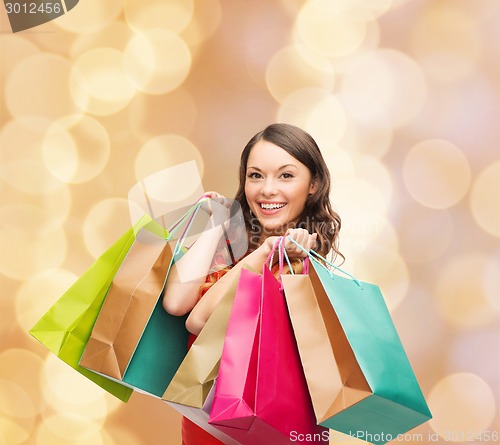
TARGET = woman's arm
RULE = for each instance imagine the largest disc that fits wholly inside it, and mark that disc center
(181, 295)
(189, 273)
(204, 308)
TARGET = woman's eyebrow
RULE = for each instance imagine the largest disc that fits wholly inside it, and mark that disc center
(280, 168)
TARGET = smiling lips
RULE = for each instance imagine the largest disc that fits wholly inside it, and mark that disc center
(271, 207)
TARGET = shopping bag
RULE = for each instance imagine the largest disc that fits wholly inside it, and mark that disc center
(261, 394)
(134, 340)
(359, 377)
(66, 327)
(191, 390)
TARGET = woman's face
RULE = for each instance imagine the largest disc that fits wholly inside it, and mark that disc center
(276, 187)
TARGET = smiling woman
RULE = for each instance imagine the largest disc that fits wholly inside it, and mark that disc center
(276, 193)
(283, 190)
(285, 184)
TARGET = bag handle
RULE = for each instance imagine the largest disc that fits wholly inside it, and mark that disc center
(194, 208)
(190, 214)
(282, 255)
(314, 256)
(270, 257)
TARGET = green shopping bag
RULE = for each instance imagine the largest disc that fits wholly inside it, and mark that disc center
(359, 377)
(66, 327)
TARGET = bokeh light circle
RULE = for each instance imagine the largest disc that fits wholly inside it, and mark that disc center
(460, 292)
(375, 172)
(38, 85)
(15, 402)
(92, 16)
(461, 403)
(327, 121)
(484, 200)
(98, 82)
(24, 169)
(425, 233)
(105, 223)
(175, 112)
(436, 173)
(371, 42)
(174, 15)
(358, 237)
(21, 367)
(66, 429)
(157, 61)
(340, 163)
(116, 36)
(295, 67)
(15, 49)
(357, 198)
(38, 293)
(76, 151)
(206, 20)
(17, 413)
(355, 10)
(390, 78)
(369, 129)
(69, 392)
(30, 254)
(391, 273)
(34, 214)
(15, 432)
(328, 32)
(447, 43)
(167, 151)
(491, 280)
(419, 322)
(477, 352)
(317, 111)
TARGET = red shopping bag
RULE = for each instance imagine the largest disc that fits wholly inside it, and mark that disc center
(261, 394)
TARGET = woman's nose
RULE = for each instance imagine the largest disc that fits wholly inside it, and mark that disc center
(269, 187)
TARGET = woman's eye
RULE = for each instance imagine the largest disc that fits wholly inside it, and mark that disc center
(254, 175)
(287, 175)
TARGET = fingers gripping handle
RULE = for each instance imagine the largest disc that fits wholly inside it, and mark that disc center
(282, 256)
(314, 256)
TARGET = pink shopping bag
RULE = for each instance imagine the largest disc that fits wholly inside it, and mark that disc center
(261, 394)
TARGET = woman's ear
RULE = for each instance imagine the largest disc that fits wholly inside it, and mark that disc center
(313, 188)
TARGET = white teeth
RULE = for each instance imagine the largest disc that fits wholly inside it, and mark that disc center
(272, 206)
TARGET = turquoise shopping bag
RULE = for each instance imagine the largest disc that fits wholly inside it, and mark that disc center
(358, 374)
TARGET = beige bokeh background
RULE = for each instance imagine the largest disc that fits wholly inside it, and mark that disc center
(403, 98)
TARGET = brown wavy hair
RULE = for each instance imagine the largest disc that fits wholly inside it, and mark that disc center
(318, 215)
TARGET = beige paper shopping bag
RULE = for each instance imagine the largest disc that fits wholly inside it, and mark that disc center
(334, 377)
(128, 305)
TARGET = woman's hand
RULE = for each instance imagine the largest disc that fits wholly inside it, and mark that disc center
(300, 236)
(217, 207)
(216, 197)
